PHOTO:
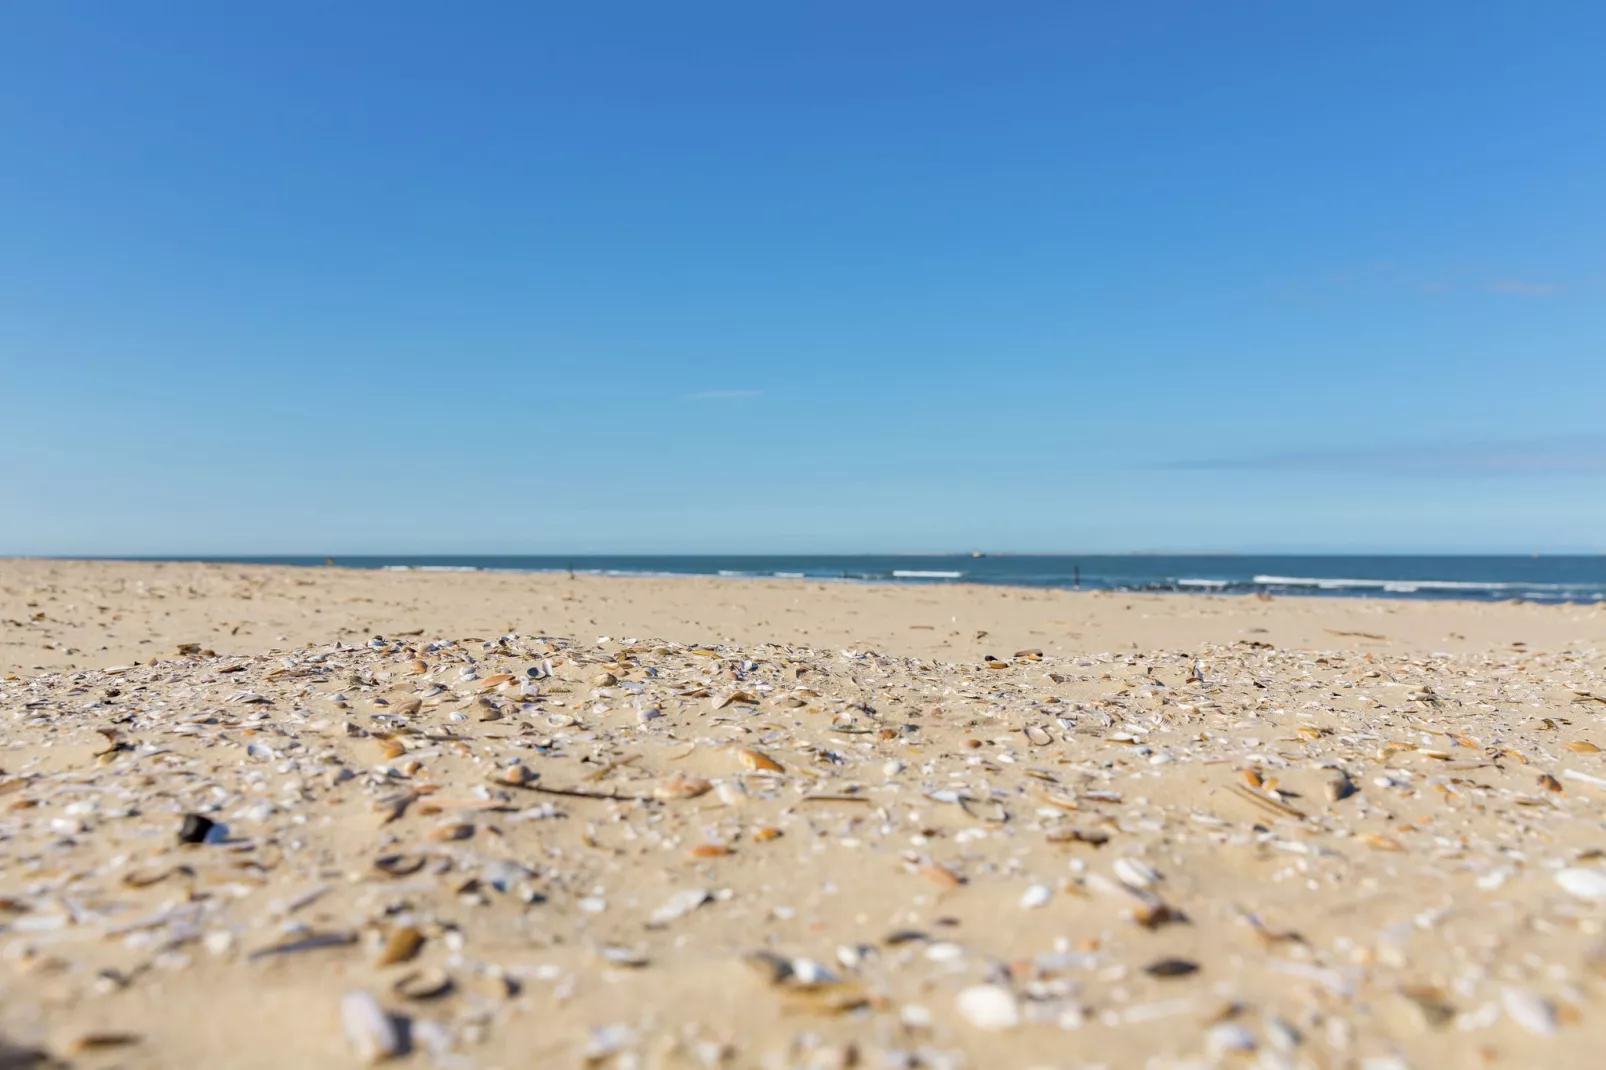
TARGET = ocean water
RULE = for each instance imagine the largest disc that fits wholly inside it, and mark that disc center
(1491, 578)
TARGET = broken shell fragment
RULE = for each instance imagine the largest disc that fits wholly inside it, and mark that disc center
(431, 983)
(1135, 873)
(372, 1034)
(399, 865)
(757, 761)
(1169, 968)
(402, 945)
(680, 787)
(1339, 786)
(194, 828)
(1587, 884)
(989, 1007)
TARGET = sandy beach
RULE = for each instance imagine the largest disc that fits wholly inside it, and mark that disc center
(266, 816)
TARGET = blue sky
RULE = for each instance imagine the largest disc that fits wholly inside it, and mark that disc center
(502, 277)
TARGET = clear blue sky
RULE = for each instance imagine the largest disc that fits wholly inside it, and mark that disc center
(391, 276)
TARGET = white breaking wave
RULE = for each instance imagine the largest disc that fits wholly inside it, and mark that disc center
(916, 574)
(1408, 586)
(432, 568)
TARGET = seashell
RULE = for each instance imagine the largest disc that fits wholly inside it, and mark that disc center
(1530, 1010)
(984, 809)
(624, 956)
(249, 698)
(774, 969)
(1429, 1001)
(417, 667)
(604, 679)
(764, 835)
(1091, 837)
(680, 787)
(392, 748)
(710, 850)
(407, 706)
(941, 875)
(432, 983)
(757, 761)
(1035, 896)
(1171, 968)
(491, 683)
(459, 830)
(1251, 778)
(371, 1032)
(990, 1007)
(295, 945)
(1228, 1038)
(1135, 873)
(89, 1042)
(1037, 735)
(1382, 843)
(518, 774)
(560, 720)
(679, 905)
(744, 697)
(1549, 783)
(1339, 786)
(1583, 747)
(195, 828)
(402, 945)
(1588, 884)
(399, 865)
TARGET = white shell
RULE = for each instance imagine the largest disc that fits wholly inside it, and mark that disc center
(680, 904)
(1530, 1010)
(369, 1030)
(1136, 873)
(992, 1007)
(1037, 895)
(1228, 1038)
(1584, 883)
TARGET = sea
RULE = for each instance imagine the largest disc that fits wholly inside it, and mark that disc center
(1540, 578)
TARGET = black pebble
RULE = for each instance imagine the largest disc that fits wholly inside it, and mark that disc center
(194, 829)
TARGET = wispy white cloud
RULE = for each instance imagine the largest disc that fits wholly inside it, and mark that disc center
(1580, 455)
(723, 395)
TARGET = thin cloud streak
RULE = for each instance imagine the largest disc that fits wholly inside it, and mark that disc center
(1564, 456)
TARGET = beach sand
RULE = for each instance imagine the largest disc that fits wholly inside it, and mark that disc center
(588, 821)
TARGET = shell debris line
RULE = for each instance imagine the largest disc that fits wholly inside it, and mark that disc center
(479, 852)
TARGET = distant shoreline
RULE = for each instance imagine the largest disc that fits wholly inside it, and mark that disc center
(1568, 579)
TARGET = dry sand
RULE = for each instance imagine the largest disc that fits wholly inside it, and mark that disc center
(706, 823)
